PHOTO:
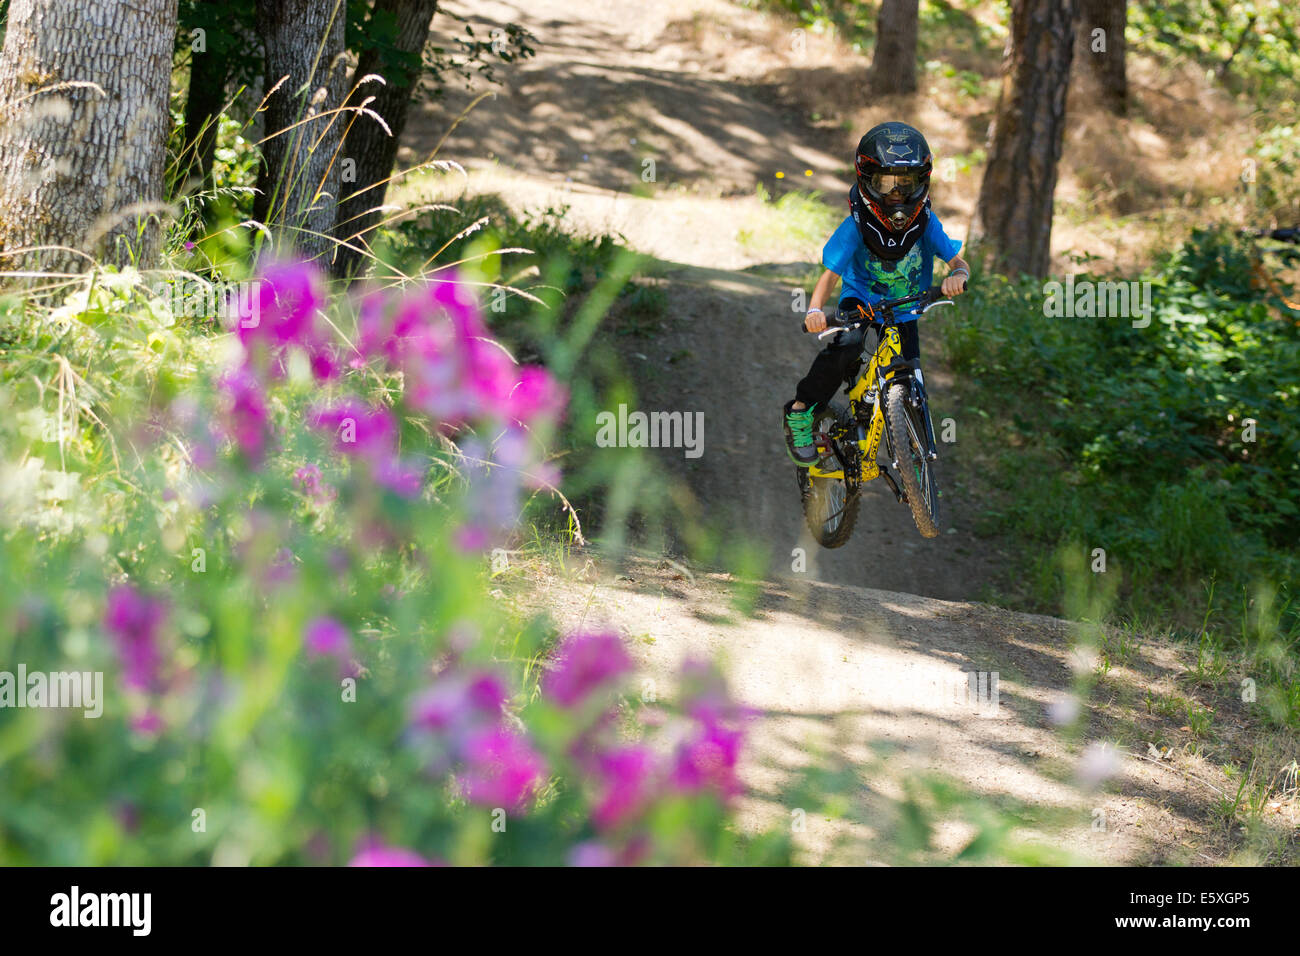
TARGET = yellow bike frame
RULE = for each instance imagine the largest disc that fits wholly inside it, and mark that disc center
(887, 350)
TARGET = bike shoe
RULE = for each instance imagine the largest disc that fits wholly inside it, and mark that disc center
(799, 436)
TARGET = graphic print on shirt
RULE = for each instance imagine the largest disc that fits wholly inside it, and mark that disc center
(905, 279)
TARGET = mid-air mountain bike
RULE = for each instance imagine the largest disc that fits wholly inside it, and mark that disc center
(888, 398)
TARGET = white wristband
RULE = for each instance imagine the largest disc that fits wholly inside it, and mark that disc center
(811, 311)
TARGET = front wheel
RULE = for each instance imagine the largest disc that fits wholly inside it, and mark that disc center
(907, 428)
(830, 506)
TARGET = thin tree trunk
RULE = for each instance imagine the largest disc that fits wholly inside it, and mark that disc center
(1013, 216)
(893, 66)
(203, 103)
(299, 182)
(371, 149)
(82, 166)
(1102, 50)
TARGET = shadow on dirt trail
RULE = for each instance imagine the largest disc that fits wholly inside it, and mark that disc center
(845, 677)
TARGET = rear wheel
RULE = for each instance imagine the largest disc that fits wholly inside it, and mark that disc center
(916, 471)
(829, 506)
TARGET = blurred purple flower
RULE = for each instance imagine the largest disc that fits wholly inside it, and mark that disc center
(707, 761)
(458, 704)
(369, 433)
(501, 769)
(627, 775)
(284, 306)
(243, 413)
(149, 723)
(536, 395)
(359, 429)
(585, 663)
(592, 853)
(326, 637)
(134, 621)
(376, 854)
(283, 313)
(308, 480)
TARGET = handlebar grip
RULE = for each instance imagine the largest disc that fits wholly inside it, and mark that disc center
(832, 322)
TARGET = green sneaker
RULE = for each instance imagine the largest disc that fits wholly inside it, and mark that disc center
(799, 436)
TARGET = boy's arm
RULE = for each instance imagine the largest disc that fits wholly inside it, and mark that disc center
(954, 283)
(815, 321)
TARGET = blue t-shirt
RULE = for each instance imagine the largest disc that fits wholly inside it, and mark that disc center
(864, 275)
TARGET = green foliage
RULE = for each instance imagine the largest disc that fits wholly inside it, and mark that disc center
(1266, 34)
(1138, 440)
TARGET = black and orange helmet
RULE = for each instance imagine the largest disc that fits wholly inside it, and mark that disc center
(893, 165)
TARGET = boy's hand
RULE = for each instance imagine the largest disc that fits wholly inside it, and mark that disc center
(815, 321)
(955, 284)
(958, 278)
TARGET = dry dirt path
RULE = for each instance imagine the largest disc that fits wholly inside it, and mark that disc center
(841, 672)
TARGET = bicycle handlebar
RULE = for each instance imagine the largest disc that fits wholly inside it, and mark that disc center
(884, 310)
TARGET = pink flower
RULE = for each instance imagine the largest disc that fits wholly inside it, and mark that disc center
(359, 429)
(592, 854)
(378, 855)
(627, 775)
(456, 705)
(535, 396)
(585, 663)
(284, 308)
(707, 761)
(148, 723)
(326, 637)
(502, 769)
(243, 413)
(370, 433)
(308, 480)
(134, 621)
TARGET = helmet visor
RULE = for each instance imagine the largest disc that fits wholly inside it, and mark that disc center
(904, 183)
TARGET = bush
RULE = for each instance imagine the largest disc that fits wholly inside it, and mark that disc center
(1175, 446)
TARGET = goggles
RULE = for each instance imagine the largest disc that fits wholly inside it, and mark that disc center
(885, 183)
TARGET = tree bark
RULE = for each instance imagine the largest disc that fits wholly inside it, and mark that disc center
(893, 65)
(1102, 55)
(81, 166)
(298, 186)
(370, 148)
(1013, 217)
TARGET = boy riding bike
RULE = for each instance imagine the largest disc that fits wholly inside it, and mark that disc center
(884, 250)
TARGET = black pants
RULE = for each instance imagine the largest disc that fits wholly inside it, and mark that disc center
(840, 360)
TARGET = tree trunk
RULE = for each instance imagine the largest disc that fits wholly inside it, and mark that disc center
(298, 186)
(1101, 54)
(203, 103)
(81, 166)
(371, 149)
(1014, 214)
(893, 66)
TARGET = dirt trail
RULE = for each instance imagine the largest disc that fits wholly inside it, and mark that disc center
(840, 672)
(844, 676)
